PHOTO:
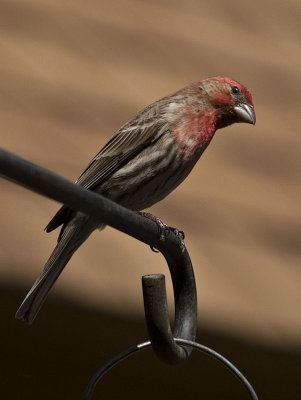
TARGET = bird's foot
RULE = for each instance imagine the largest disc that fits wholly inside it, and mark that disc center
(180, 235)
(164, 230)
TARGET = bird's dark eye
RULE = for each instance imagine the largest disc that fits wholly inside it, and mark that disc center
(235, 90)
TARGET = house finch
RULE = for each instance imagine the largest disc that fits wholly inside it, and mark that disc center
(143, 162)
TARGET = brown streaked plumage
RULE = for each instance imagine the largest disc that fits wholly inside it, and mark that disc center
(143, 162)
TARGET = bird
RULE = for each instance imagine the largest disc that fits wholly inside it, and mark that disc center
(146, 159)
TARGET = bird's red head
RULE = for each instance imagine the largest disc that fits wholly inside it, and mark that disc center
(231, 98)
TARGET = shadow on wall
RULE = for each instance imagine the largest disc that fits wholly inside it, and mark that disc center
(57, 355)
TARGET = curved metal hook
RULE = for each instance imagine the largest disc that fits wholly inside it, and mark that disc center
(134, 349)
(157, 320)
(157, 316)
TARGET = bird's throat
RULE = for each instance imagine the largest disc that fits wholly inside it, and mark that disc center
(194, 134)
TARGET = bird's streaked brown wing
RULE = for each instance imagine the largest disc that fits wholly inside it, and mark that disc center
(128, 141)
(123, 146)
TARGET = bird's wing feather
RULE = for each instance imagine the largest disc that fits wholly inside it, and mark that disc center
(128, 141)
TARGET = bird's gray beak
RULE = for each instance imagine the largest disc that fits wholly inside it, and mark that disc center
(245, 113)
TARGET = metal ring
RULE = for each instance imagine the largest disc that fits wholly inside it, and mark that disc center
(134, 349)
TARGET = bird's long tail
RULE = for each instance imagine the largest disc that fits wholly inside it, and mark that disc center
(73, 235)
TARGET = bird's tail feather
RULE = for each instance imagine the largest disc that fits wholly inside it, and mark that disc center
(72, 237)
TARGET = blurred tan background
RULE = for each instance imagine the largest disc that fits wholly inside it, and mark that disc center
(71, 73)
